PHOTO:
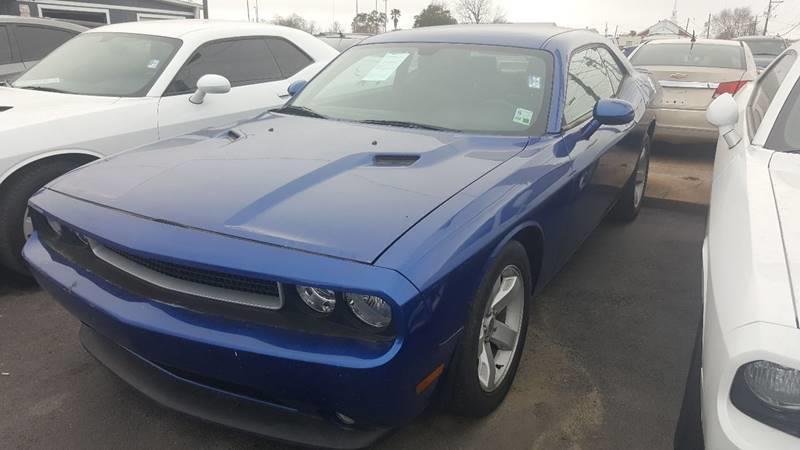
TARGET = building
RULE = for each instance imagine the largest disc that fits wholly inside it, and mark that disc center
(94, 13)
(663, 29)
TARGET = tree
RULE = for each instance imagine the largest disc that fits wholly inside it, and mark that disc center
(371, 23)
(336, 27)
(434, 14)
(732, 23)
(295, 21)
(395, 14)
(479, 11)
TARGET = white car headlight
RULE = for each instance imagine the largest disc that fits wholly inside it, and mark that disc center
(371, 310)
(320, 300)
(774, 384)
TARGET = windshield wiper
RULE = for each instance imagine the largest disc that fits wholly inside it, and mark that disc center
(400, 123)
(42, 88)
(299, 111)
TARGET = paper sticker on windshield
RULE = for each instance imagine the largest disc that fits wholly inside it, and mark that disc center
(385, 67)
(523, 116)
(153, 64)
(534, 82)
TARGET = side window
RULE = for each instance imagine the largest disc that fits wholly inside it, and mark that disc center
(766, 88)
(290, 58)
(586, 84)
(241, 61)
(36, 42)
(613, 70)
(5, 47)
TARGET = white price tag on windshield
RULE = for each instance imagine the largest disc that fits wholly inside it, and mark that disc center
(385, 67)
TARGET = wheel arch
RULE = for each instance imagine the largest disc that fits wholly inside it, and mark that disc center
(80, 155)
(531, 236)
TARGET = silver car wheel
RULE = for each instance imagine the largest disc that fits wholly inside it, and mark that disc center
(500, 328)
(642, 168)
(27, 224)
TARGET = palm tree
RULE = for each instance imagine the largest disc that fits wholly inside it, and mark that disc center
(395, 16)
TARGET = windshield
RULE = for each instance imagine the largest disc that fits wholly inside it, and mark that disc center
(697, 55)
(109, 64)
(785, 134)
(772, 47)
(467, 88)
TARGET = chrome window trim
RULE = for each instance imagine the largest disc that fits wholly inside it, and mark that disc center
(186, 287)
(688, 84)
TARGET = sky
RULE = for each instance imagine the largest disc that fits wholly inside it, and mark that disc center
(625, 14)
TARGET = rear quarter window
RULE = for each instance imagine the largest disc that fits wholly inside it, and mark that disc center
(688, 55)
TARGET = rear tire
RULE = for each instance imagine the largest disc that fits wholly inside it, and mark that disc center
(14, 203)
(469, 391)
(632, 195)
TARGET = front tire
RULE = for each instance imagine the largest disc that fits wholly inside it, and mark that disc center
(632, 196)
(14, 205)
(490, 350)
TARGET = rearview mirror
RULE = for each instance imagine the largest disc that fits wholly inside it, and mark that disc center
(609, 111)
(296, 87)
(723, 113)
(210, 84)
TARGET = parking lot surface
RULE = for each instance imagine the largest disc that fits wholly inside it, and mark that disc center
(604, 364)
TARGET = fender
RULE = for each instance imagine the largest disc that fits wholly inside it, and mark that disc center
(41, 156)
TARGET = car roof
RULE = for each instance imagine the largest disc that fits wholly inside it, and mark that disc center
(198, 28)
(525, 35)
(45, 22)
(759, 38)
(697, 42)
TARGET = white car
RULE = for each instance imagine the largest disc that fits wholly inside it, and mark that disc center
(744, 385)
(122, 86)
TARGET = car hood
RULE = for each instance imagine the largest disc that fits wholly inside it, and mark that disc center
(785, 174)
(24, 107)
(336, 188)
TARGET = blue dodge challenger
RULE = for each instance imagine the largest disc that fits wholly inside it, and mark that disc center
(322, 273)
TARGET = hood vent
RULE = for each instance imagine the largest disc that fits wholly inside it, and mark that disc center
(394, 160)
(5, 108)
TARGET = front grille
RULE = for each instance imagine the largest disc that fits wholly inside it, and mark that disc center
(202, 276)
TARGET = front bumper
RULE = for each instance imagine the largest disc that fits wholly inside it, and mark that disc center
(289, 370)
(220, 407)
(724, 425)
(683, 126)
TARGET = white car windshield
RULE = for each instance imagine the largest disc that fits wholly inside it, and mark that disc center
(106, 64)
(465, 88)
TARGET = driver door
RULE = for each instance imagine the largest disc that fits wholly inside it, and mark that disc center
(258, 82)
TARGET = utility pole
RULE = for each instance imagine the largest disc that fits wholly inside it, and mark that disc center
(708, 27)
(248, 10)
(256, 11)
(205, 9)
(770, 8)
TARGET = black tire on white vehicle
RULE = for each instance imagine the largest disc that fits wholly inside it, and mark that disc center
(14, 196)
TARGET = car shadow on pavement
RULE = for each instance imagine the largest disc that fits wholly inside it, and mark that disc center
(11, 283)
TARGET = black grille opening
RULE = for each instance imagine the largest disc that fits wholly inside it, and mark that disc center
(203, 276)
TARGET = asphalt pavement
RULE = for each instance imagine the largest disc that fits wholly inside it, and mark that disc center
(604, 366)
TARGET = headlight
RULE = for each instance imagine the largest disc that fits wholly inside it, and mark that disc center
(770, 393)
(320, 300)
(774, 384)
(371, 310)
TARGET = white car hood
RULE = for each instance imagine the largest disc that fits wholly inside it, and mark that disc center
(785, 174)
(24, 107)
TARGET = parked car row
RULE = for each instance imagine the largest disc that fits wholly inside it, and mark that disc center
(323, 272)
(25, 40)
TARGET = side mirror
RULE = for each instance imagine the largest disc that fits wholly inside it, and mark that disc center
(613, 112)
(723, 113)
(210, 84)
(296, 87)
